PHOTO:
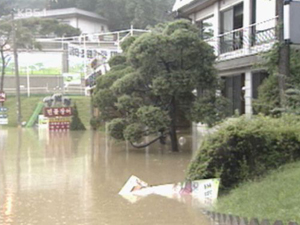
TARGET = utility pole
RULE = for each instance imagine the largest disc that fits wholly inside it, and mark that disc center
(16, 68)
(284, 54)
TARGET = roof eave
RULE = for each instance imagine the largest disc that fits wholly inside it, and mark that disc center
(193, 7)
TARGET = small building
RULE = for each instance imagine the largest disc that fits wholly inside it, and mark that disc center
(87, 22)
(238, 30)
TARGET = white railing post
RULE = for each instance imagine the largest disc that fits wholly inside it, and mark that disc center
(131, 30)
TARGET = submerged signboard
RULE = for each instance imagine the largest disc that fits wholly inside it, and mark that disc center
(204, 191)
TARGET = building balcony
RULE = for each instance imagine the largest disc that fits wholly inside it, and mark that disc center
(256, 38)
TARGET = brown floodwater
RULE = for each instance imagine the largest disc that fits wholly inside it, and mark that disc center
(74, 178)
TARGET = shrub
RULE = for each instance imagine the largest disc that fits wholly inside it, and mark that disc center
(95, 123)
(245, 149)
(76, 123)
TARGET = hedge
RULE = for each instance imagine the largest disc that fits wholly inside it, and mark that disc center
(244, 149)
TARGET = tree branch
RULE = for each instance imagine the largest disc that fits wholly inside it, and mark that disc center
(149, 143)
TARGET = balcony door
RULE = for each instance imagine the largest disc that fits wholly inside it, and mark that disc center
(232, 19)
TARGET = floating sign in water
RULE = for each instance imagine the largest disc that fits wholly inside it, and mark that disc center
(204, 191)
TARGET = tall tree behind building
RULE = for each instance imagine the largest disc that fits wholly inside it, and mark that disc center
(139, 13)
(123, 13)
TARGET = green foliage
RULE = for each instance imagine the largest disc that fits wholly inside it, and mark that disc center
(4, 7)
(116, 128)
(128, 104)
(127, 43)
(274, 197)
(268, 96)
(60, 4)
(76, 123)
(153, 81)
(153, 118)
(134, 132)
(268, 101)
(121, 14)
(117, 60)
(210, 109)
(139, 13)
(245, 149)
(95, 123)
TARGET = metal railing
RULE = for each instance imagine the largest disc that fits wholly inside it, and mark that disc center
(255, 38)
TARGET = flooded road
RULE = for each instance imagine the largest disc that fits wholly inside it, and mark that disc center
(74, 178)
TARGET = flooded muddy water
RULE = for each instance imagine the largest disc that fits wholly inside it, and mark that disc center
(74, 178)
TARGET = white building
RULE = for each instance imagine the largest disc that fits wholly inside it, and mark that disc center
(238, 30)
(87, 22)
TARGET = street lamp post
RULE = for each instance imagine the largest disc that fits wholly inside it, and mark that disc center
(28, 78)
(19, 122)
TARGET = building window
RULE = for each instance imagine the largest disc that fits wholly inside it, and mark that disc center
(232, 19)
(206, 27)
(233, 91)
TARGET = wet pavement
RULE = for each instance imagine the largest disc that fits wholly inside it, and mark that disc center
(74, 178)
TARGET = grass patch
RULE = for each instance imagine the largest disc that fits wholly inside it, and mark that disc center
(274, 197)
(28, 106)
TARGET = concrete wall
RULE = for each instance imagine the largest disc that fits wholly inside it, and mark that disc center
(85, 25)
(42, 85)
(88, 26)
(207, 12)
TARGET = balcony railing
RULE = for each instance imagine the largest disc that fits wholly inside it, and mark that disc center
(256, 38)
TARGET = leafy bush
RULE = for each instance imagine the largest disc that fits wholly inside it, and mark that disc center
(244, 149)
(116, 128)
(268, 101)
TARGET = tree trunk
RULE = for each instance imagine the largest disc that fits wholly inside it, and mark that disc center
(173, 134)
(3, 70)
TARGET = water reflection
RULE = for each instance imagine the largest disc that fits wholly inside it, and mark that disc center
(74, 178)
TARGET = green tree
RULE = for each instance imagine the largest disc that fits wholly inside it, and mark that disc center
(5, 35)
(121, 14)
(4, 7)
(154, 80)
(60, 4)
(268, 101)
(76, 123)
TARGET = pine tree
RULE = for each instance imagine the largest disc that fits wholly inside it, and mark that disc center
(76, 123)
